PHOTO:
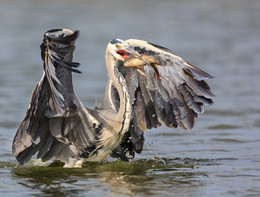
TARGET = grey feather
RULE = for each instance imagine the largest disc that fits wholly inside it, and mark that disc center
(169, 92)
(45, 147)
(52, 117)
(54, 150)
(173, 101)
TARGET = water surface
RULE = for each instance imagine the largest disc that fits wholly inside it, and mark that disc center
(219, 157)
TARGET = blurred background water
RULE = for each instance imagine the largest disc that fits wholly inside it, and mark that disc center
(219, 157)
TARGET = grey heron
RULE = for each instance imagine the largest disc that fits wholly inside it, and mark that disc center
(148, 86)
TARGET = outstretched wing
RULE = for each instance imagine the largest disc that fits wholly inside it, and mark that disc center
(172, 94)
(56, 123)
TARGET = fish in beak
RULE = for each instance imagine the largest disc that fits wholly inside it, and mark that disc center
(136, 60)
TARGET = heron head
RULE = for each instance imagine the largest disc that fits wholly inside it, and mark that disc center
(121, 50)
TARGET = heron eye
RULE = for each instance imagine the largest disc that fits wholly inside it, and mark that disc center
(117, 46)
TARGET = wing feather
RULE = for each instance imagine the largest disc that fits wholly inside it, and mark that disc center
(55, 149)
(53, 123)
(175, 100)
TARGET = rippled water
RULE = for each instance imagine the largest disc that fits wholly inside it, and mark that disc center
(219, 157)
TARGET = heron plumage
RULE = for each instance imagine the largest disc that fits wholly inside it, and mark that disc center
(174, 100)
(58, 126)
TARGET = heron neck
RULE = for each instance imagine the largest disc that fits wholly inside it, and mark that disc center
(124, 112)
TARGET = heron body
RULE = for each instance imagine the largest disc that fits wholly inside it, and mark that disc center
(148, 86)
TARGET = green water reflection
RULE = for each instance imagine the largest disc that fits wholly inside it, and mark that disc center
(144, 176)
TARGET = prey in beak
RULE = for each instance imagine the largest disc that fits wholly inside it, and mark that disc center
(139, 62)
(132, 58)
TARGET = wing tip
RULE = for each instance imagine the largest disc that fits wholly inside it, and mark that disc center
(65, 36)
